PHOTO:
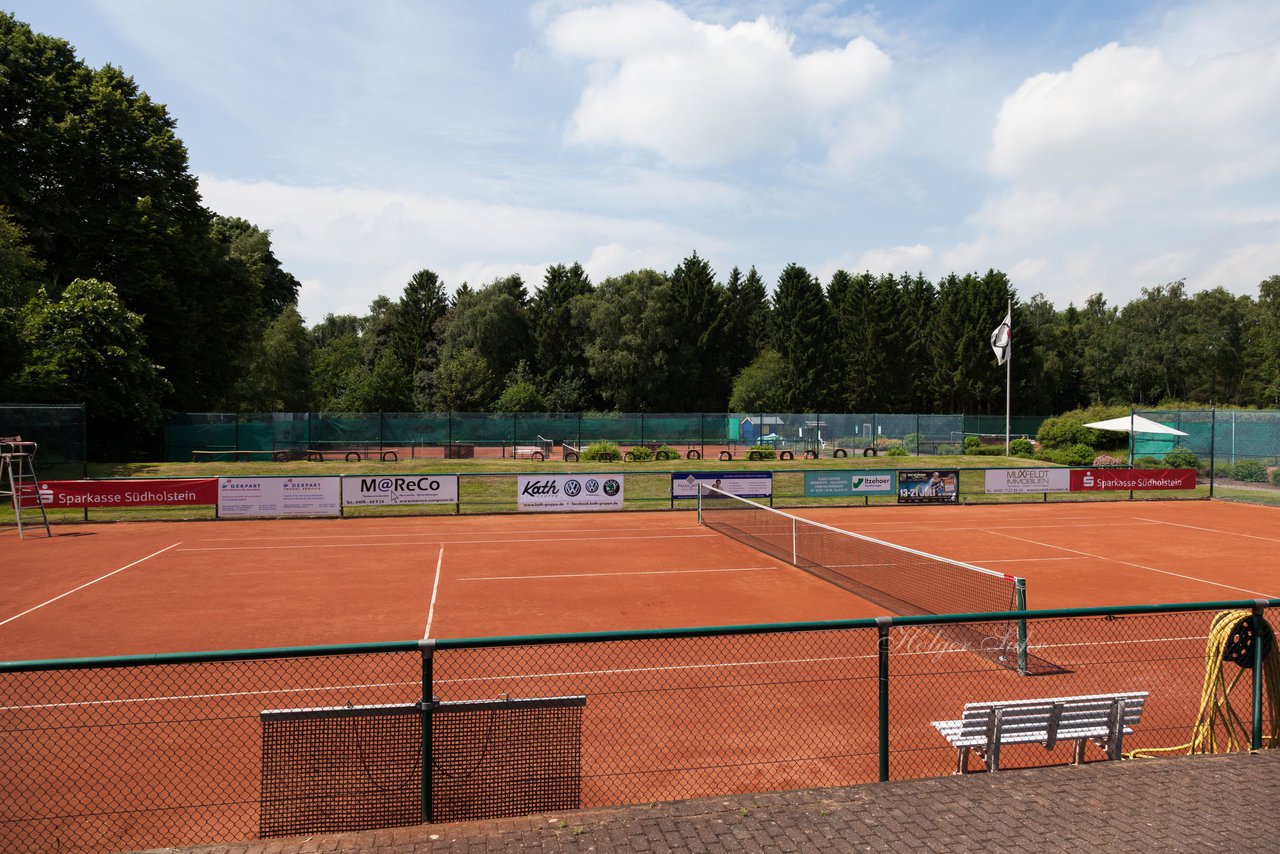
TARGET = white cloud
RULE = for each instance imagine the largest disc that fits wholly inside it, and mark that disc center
(350, 245)
(697, 93)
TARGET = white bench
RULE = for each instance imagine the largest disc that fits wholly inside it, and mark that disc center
(1101, 718)
(532, 452)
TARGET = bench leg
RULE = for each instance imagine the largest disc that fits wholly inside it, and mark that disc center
(962, 760)
(1078, 755)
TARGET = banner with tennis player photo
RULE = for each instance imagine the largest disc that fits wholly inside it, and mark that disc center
(934, 486)
(744, 484)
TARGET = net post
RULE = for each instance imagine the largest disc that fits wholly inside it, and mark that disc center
(1259, 626)
(428, 648)
(795, 546)
(1020, 605)
(698, 486)
(882, 655)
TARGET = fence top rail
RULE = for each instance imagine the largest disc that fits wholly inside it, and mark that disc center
(209, 656)
(426, 646)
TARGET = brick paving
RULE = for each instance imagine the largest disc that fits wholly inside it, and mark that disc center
(1203, 803)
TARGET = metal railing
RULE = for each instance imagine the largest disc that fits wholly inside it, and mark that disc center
(141, 751)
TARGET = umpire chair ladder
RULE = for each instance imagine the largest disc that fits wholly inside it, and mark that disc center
(18, 480)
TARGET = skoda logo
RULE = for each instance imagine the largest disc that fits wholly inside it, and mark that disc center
(611, 487)
(593, 486)
(572, 488)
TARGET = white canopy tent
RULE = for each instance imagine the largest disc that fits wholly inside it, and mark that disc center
(1133, 423)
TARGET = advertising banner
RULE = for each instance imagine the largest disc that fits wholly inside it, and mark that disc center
(377, 490)
(1086, 480)
(129, 493)
(929, 487)
(746, 484)
(278, 496)
(569, 492)
(849, 483)
(1028, 480)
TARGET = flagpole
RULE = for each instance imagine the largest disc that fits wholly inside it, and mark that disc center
(1008, 383)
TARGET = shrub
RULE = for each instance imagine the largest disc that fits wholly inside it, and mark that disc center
(1107, 460)
(1050, 455)
(1250, 471)
(1068, 429)
(897, 451)
(1081, 454)
(1275, 476)
(666, 452)
(766, 452)
(1222, 470)
(912, 442)
(1022, 447)
(972, 444)
(641, 454)
(602, 452)
(1181, 458)
(1147, 463)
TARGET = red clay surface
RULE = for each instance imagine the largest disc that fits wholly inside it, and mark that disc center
(110, 589)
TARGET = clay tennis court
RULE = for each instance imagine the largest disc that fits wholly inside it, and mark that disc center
(112, 589)
(664, 718)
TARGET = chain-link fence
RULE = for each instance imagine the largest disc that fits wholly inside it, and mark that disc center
(1221, 439)
(190, 435)
(164, 750)
(57, 429)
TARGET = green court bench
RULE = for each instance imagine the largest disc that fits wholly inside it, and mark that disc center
(1101, 718)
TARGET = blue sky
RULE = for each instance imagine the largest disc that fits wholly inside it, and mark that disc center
(1080, 147)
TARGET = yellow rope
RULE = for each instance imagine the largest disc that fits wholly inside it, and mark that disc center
(1219, 726)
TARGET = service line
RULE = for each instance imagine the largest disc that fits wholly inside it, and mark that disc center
(88, 583)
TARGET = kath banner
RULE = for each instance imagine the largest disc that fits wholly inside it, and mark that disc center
(565, 492)
(1088, 480)
(1028, 480)
(129, 493)
(278, 496)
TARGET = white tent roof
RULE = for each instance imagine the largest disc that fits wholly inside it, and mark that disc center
(1136, 423)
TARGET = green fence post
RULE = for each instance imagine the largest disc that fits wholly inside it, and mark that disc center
(882, 653)
(428, 648)
(1259, 626)
(1020, 603)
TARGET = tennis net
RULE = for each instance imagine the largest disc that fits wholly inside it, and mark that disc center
(903, 580)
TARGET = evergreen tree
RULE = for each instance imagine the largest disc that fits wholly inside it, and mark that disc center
(802, 337)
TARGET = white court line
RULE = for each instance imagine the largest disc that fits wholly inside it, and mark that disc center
(1024, 560)
(88, 583)
(437, 540)
(419, 533)
(173, 698)
(1138, 566)
(628, 574)
(926, 528)
(1214, 530)
(435, 588)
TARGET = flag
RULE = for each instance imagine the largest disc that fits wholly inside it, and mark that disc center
(1002, 340)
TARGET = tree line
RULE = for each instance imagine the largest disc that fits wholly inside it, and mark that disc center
(119, 289)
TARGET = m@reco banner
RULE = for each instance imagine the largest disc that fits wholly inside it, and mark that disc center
(849, 483)
(1088, 480)
(362, 490)
(278, 496)
(744, 484)
(1028, 480)
(569, 492)
(129, 493)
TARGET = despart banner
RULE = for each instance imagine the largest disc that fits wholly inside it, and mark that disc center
(929, 487)
(1124, 479)
(847, 483)
(1028, 480)
(374, 491)
(745, 484)
(130, 493)
(278, 496)
(569, 492)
